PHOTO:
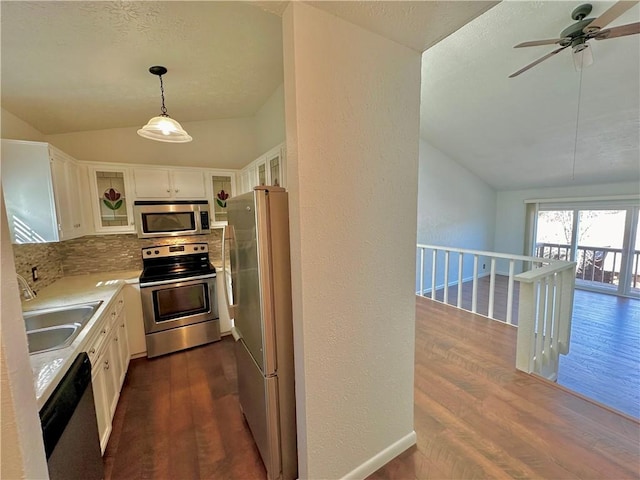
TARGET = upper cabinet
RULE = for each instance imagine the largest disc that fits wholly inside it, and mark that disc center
(111, 203)
(159, 183)
(42, 189)
(222, 187)
(268, 169)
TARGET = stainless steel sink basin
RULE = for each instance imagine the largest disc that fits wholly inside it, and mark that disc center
(55, 328)
(51, 338)
(51, 317)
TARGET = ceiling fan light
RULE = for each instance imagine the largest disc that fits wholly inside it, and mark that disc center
(582, 56)
(164, 129)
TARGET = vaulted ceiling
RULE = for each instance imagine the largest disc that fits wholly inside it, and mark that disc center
(551, 125)
(77, 66)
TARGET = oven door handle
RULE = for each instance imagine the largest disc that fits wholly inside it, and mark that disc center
(177, 280)
(228, 233)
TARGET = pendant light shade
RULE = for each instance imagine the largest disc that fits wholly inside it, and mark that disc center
(163, 128)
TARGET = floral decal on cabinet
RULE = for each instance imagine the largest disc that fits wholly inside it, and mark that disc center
(112, 199)
(221, 199)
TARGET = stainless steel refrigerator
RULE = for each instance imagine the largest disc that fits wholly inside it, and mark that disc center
(257, 239)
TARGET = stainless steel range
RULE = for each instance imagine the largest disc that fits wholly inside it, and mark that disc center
(179, 301)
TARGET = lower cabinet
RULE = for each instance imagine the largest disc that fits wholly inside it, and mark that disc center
(109, 355)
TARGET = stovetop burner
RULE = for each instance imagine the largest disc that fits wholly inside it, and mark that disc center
(175, 262)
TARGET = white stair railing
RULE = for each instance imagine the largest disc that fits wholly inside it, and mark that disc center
(545, 300)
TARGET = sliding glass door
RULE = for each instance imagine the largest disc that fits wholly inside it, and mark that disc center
(604, 243)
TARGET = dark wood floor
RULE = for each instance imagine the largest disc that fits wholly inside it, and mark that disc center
(477, 417)
(179, 418)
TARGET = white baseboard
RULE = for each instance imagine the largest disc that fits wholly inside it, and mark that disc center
(382, 458)
(453, 283)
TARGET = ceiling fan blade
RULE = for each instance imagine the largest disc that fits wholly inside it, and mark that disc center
(609, 16)
(541, 59)
(535, 43)
(621, 31)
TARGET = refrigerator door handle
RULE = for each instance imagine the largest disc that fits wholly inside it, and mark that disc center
(227, 234)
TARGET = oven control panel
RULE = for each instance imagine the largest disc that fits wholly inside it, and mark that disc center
(174, 250)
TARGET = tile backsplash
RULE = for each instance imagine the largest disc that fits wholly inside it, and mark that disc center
(97, 253)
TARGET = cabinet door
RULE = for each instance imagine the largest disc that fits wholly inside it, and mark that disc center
(123, 347)
(188, 184)
(111, 204)
(223, 188)
(273, 164)
(62, 197)
(100, 394)
(261, 168)
(76, 177)
(114, 370)
(28, 192)
(152, 183)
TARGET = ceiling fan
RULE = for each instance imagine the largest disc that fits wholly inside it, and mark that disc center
(578, 34)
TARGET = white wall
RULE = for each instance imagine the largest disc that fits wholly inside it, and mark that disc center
(269, 120)
(510, 210)
(352, 110)
(455, 208)
(229, 143)
(17, 129)
(22, 453)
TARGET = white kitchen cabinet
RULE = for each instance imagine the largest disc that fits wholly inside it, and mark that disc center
(135, 324)
(42, 193)
(67, 194)
(268, 169)
(159, 183)
(222, 186)
(111, 204)
(108, 352)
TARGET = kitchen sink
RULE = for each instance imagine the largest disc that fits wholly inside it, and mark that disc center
(57, 327)
(52, 317)
(52, 338)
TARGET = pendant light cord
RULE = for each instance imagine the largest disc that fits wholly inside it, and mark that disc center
(575, 142)
(163, 109)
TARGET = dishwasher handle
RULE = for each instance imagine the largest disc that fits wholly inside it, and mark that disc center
(57, 411)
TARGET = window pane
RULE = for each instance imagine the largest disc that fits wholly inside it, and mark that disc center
(553, 234)
(600, 240)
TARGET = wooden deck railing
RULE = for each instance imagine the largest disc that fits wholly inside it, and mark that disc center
(545, 297)
(597, 265)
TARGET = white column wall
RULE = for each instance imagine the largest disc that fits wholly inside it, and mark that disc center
(352, 115)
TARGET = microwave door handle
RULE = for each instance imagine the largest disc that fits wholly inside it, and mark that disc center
(228, 234)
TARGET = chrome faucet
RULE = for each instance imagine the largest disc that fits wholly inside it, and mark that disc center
(27, 292)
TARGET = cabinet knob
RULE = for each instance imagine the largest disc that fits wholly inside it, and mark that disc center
(168, 190)
(177, 190)
(104, 330)
(92, 351)
(106, 365)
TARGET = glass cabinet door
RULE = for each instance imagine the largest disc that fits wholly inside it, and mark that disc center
(111, 207)
(221, 192)
(262, 174)
(274, 170)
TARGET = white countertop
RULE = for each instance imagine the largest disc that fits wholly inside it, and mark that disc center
(49, 367)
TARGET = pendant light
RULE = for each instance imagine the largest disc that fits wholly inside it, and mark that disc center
(163, 128)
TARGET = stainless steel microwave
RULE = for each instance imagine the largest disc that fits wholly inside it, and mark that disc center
(171, 218)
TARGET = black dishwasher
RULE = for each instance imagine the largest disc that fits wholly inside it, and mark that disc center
(70, 428)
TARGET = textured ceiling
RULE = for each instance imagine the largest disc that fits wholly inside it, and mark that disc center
(76, 66)
(521, 132)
